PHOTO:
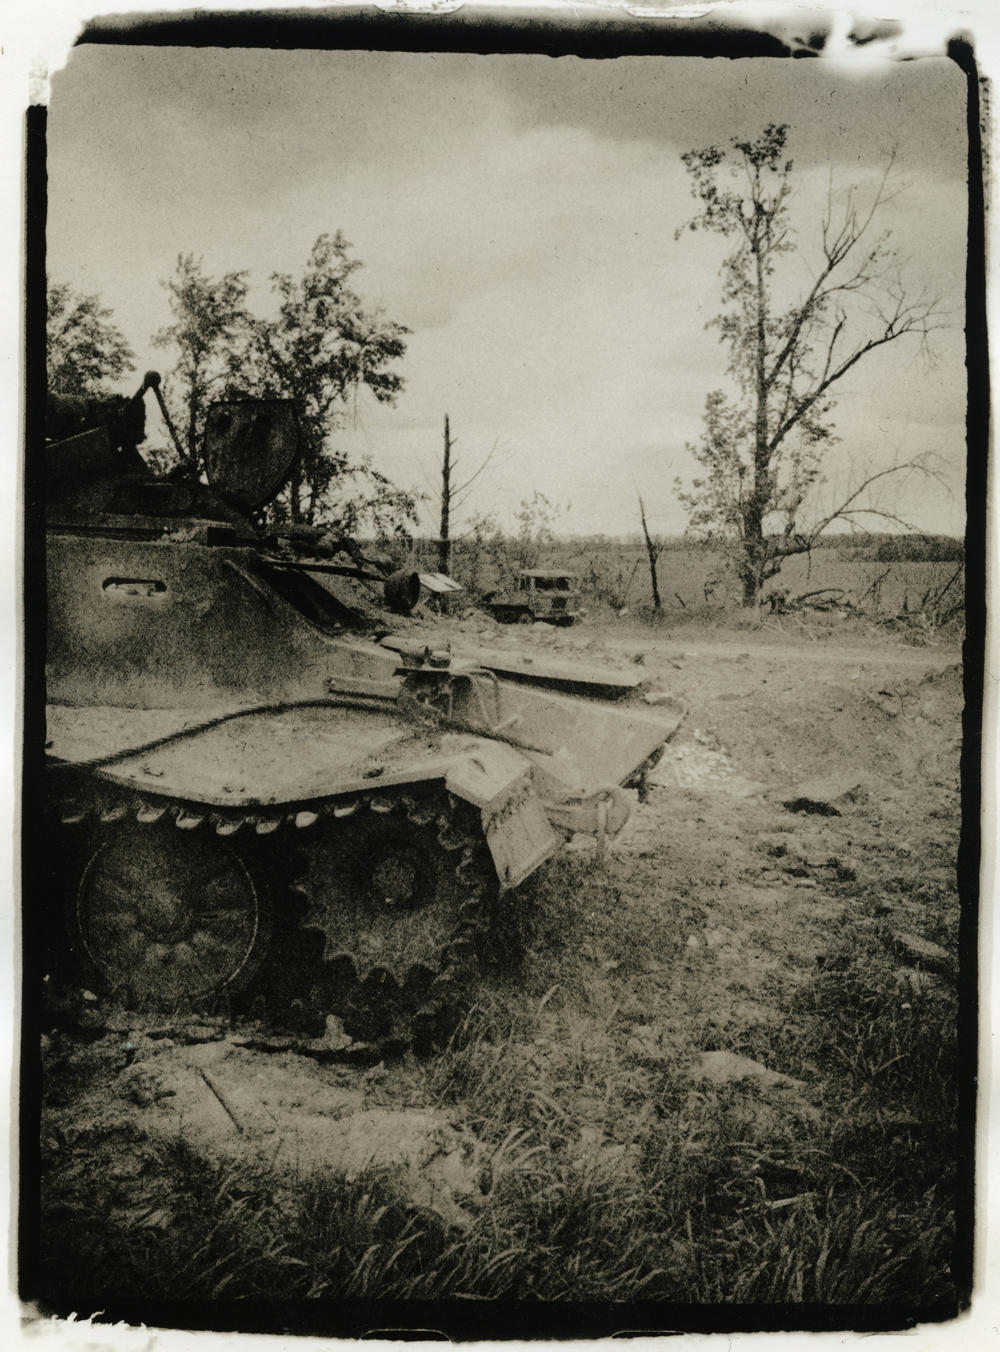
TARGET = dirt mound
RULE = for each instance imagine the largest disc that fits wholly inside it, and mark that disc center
(282, 1110)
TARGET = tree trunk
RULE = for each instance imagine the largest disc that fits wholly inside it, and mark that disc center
(751, 587)
(653, 553)
(444, 542)
(192, 431)
(753, 562)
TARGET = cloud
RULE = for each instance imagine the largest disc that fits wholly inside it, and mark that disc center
(679, 103)
(517, 213)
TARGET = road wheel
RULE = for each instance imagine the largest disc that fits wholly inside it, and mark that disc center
(164, 919)
(525, 617)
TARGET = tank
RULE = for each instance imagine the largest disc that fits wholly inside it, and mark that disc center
(261, 803)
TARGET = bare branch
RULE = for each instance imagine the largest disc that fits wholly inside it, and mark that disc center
(905, 319)
(847, 509)
(473, 477)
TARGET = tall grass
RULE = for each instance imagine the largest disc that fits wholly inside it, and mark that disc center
(693, 1194)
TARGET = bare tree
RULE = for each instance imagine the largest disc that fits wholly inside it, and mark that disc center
(444, 543)
(452, 495)
(763, 448)
(654, 548)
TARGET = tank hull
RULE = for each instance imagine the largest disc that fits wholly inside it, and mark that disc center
(201, 689)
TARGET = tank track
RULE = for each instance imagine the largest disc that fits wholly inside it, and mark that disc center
(307, 973)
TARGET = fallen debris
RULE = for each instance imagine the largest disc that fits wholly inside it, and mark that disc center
(923, 950)
(723, 1067)
(778, 1099)
(822, 796)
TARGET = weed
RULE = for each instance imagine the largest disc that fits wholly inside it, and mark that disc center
(711, 1195)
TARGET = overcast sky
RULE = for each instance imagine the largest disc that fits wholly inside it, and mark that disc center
(517, 213)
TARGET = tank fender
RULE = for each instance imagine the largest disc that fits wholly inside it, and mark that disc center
(496, 780)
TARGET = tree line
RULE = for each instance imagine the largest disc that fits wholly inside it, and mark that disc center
(766, 446)
(321, 348)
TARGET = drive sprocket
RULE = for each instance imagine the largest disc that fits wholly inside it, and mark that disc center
(399, 890)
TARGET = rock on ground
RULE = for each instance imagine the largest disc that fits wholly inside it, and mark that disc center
(826, 795)
(727, 1068)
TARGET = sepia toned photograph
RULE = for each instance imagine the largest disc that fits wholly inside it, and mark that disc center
(503, 636)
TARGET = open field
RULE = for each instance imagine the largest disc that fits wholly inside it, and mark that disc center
(878, 589)
(724, 1072)
(693, 580)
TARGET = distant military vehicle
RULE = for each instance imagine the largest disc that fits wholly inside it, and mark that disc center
(549, 594)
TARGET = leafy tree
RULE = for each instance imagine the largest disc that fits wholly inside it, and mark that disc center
(536, 519)
(481, 555)
(85, 350)
(322, 349)
(210, 321)
(763, 445)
